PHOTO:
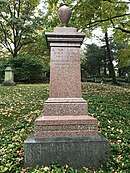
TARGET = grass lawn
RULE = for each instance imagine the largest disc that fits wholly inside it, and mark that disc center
(21, 104)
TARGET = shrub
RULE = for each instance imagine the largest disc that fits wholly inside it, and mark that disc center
(27, 69)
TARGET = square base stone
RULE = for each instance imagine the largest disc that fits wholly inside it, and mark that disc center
(50, 126)
(65, 107)
(77, 152)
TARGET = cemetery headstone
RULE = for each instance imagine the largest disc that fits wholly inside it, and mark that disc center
(65, 132)
(9, 77)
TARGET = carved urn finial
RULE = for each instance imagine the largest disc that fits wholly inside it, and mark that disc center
(64, 14)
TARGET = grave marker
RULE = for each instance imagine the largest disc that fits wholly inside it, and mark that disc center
(66, 132)
(9, 77)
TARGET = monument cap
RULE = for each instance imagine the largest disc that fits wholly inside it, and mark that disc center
(64, 14)
(8, 69)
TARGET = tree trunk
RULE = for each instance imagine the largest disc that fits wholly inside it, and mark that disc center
(111, 66)
(121, 72)
(109, 69)
(105, 63)
(15, 53)
(105, 71)
(99, 71)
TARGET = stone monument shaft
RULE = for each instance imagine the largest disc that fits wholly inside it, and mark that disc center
(65, 72)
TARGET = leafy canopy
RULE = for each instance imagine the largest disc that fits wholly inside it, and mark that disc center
(18, 24)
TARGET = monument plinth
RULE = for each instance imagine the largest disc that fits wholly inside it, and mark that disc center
(65, 132)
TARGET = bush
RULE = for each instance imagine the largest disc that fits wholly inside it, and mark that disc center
(27, 69)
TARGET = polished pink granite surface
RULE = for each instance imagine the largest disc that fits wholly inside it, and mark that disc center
(65, 111)
(65, 126)
(65, 120)
(65, 73)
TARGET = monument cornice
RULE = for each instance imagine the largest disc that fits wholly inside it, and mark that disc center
(64, 36)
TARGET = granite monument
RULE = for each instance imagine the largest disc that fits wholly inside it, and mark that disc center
(65, 132)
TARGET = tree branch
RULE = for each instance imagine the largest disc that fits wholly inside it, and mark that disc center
(124, 2)
(23, 44)
(10, 10)
(120, 28)
(18, 11)
(107, 19)
(7, 44)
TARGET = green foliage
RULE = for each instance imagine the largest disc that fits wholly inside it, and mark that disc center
(38, 49)
(124, 56)
(19, 108)
(111, 106)
(92, 60)
(2, 69)
(22, 104)
(90, 13)
(27, 69)
(18, 24)
(51, 15)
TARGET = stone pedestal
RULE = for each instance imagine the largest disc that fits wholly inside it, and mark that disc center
(9, 77)
(89, 151)
(65, 132)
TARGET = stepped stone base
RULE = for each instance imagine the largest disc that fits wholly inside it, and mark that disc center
(49, 126)
(65, 107)
(77, 152)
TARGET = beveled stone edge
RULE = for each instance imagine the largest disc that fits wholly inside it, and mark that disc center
(69, 117)
(65, 120)
(98, 137)
(65, 34)
(54, 44)
(65, 133)
(67, 127)
(65, 100)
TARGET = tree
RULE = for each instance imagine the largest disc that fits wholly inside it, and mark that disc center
(90, 14)
(107, 13)
(124, 56)
(18, 24)
(38, 48)
(112, 71)
(51, 13)
(92, 61)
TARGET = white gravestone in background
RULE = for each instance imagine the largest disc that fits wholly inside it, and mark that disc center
(9, 77)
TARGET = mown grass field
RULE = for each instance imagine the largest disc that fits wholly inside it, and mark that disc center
(21, 104)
